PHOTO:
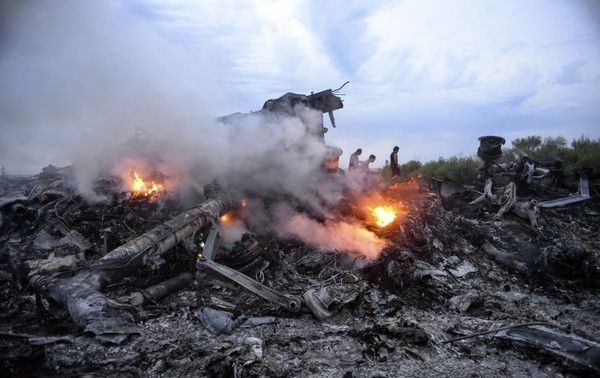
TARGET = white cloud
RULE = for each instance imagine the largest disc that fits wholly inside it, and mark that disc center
(426, 46)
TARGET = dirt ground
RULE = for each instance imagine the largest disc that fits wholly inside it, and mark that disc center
(439, 279)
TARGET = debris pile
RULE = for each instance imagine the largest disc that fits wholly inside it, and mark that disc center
(139, 285)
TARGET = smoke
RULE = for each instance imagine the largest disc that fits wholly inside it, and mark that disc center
(327, 235)
(103, 87)
(80, 77)
(342, 236)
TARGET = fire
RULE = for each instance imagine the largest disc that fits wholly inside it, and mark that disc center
(155, 188)
(138, 183)
(139, 186)
(225, 218)
(384, 215)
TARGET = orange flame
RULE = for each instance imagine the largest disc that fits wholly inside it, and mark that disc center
(139, 186)
(384, 215)
(155, 188)
(225, 218)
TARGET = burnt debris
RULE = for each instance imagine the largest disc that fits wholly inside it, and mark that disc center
(464, 281)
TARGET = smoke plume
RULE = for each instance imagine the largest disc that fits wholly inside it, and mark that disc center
(103, 87)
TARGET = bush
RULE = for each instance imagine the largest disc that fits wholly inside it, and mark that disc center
(460, 169)
(410, 167)
(583, 152)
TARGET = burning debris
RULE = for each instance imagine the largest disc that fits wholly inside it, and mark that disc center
(141, 187)
(380, 279)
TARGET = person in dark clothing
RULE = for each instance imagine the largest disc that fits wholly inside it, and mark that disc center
(394, 162)
(354, 160)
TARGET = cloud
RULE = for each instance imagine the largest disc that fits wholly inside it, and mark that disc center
(444, 73)
(426, 46)
(340, 28)
(571, 73)
(268, 47)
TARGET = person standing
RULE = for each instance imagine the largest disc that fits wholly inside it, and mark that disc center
(354, 160)
(394, 162)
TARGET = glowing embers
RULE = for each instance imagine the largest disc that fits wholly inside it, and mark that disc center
(225, 218)
(384, 215)
(380, 211)
(140, 187)
(233, 216)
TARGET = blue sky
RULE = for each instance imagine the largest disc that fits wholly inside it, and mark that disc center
(430, 76)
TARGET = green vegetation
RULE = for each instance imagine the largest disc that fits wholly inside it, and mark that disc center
(581, 153)
(460, 169)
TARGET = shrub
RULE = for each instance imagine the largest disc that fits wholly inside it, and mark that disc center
(460, 169)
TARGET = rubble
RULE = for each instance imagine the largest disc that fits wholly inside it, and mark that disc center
(445, 277)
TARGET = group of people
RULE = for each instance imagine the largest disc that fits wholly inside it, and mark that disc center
(363, 165)
(359, 165)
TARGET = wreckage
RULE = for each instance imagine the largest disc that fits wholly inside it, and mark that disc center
(293, 105)
(139, 285)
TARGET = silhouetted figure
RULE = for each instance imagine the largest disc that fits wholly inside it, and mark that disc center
(394, 162)
(354, 163)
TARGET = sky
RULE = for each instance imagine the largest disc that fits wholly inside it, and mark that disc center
(429, 76)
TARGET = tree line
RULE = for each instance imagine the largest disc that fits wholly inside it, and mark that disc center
(580, 153)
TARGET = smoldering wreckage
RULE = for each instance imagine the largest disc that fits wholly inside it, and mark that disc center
(498, 279)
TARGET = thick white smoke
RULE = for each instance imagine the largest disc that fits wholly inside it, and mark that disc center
(79, 78)
(332, 235)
